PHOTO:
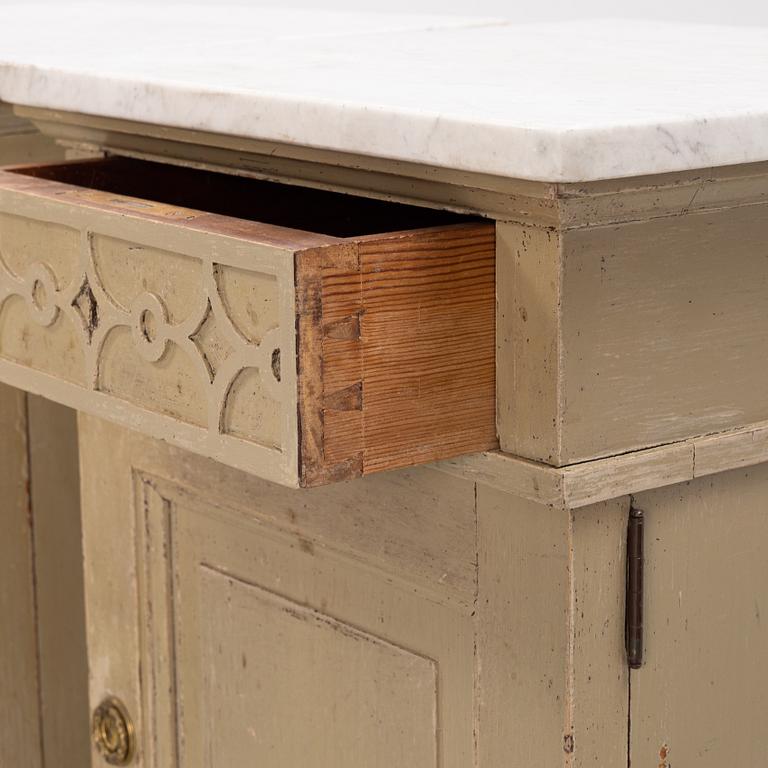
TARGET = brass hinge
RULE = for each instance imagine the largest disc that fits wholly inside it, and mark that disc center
(633, 631)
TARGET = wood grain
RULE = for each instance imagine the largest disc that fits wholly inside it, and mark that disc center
(77, 183)
(388, 561)
(406, 327)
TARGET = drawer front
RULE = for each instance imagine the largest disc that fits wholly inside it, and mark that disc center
(301, 357)
(180, 333)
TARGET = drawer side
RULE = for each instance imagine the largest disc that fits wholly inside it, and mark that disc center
(396, 351)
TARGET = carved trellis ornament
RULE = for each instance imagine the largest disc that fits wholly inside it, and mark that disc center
(188, 329)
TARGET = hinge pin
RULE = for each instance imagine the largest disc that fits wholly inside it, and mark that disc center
(634, 608)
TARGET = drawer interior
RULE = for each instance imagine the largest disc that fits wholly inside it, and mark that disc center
(301, 208)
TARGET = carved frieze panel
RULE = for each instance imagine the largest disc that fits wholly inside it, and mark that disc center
(184, 331)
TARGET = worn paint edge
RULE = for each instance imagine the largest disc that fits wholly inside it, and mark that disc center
(579, 485)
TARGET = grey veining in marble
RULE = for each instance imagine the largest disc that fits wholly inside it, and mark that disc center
(573, 101)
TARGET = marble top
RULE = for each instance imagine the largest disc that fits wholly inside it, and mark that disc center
(571, 101)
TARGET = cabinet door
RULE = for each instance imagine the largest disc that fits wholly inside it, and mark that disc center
(304, 336)
(700, 699)
(244, 624)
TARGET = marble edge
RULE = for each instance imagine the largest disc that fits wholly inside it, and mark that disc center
(507, 150)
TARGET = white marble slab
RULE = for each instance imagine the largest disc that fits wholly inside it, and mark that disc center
(574, 101)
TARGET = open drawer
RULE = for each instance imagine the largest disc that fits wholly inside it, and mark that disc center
(301, 335)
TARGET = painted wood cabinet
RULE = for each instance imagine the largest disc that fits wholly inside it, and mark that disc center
(480, 379)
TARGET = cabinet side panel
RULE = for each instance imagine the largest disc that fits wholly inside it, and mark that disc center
(20, 737)
(551, 673)
(664, 333)
(700, 699)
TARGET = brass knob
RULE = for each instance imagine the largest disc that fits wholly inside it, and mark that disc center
(113, 733)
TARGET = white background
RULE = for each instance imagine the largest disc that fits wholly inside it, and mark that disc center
(738, 12)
